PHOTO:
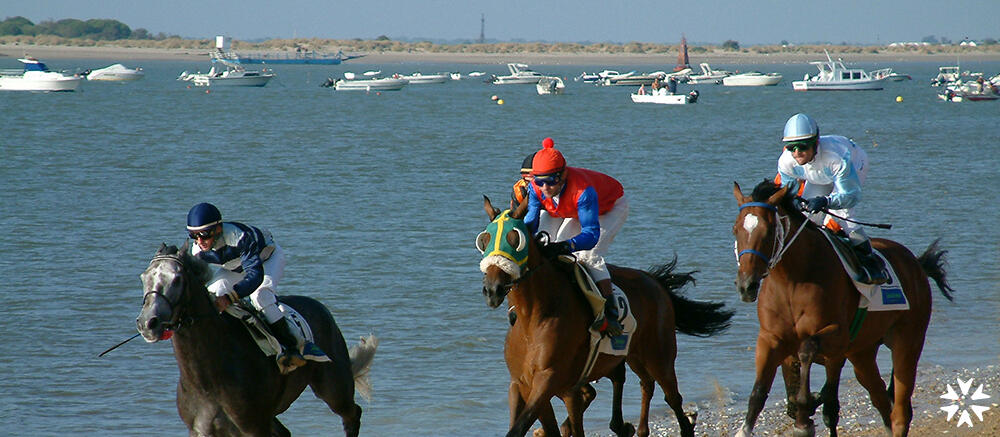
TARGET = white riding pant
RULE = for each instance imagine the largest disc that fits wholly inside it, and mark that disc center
(562, 229)
(264, 298)
(812, 190)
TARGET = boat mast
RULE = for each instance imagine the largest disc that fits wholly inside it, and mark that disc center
(682, 55)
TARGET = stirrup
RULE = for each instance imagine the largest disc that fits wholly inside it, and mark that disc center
(313, 353)
(291, 358)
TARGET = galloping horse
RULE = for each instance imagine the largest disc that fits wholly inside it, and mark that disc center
(806, 306)
(227, 386)
(547, 347)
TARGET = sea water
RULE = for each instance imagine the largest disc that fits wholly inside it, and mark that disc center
(377, 198)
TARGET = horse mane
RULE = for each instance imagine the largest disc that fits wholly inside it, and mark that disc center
(193, 266)
(767, 188)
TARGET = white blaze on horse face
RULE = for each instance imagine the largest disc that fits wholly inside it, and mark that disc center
(750, 223)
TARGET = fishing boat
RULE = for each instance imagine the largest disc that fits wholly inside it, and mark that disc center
(708, 75)
(752, 78)
(550, 85)
(115, 73)
(227, 70)
(663, 97)
(299, 56)
(519, 74)
(35, 76)
(835, 76)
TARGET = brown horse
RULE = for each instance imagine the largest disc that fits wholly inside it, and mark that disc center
(806, 306)
(227, 386)
(547, 346)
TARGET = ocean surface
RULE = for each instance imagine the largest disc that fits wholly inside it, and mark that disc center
(377, 199)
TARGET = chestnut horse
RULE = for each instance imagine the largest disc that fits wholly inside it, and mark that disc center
(806, 306)
(227, 386)
(547, 346)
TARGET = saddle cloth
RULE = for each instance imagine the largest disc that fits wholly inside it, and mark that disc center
(885, 297)
(608, 345)
(268, 344)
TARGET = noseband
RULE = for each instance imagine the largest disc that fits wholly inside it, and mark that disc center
(782, 223)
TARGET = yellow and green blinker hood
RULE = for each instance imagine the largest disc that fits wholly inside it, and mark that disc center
(497, 243)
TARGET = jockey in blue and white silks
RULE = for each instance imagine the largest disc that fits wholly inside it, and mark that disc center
(833, 168)
(837, 171)
(251, 265)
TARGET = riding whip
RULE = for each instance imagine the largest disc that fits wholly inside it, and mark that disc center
(827, 210)
(119, 344)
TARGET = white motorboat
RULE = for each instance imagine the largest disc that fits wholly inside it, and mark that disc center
(946, 75)
(663, 97)
(476, 74)
(417, 78)
(116, 73)
(633, 79)
(752, 78)
(834, 76)
(708, 75)
(597, 77)
(371, 83)
(550, 85)
(456, 76)
(519, 74)
(231, 72)
(36, 77)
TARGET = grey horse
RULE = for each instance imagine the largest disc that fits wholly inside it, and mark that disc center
(227, 386)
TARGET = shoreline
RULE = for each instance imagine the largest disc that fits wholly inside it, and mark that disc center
(48, 52)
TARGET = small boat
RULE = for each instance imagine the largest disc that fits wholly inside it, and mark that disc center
(115, 73)
(231, 72)
(417, 78)
(708, 75)
(946, 76)
(663, 97)
(596, 77)
(979, 90)
(519, 74)
(456, 76)
(899, 77)
(752, 78)
(633, 79)
(834, 76)
(36, 77)
(476, 74)
(351, 83)
(550, 85)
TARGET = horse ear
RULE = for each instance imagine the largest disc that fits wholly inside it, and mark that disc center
(185, 248)
(738, 194)
(491, 210)
(520, 211)
(162, 249)
(776, 197)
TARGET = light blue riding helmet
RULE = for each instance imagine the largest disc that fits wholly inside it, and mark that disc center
(800, 127)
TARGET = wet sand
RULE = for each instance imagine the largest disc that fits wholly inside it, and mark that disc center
(719, 57)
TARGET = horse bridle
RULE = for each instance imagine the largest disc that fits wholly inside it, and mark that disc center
(174, 321)
(780, 244)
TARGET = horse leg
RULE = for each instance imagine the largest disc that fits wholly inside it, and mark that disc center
(576, 404)
(537, 405)
(664, 375)
(904, 376)
(648, 387)
(618, 424)
(867, 374)
(767, 360)
(803, 420)
(790, 373)
(334, 384)
(829, 395)
(278, 429)
(588, 394)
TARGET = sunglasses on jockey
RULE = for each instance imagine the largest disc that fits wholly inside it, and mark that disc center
(548, 179)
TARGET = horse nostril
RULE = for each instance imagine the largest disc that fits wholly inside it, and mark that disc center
(152, 323)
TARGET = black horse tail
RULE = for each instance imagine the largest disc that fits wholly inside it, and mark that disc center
(700, 319)
(932, 262)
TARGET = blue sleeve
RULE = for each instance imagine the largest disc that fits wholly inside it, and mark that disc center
(210, 256)
(848, 188)
(590, 227)
(252, 266)
(534, 209)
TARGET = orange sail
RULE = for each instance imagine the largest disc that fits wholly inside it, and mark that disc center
(682, 56)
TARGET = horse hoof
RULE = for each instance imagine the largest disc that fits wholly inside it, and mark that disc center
(692, 417)
(627, 430)
(804, 432)
(538, 432)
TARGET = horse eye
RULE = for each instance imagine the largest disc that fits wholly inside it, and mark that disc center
(482, 240)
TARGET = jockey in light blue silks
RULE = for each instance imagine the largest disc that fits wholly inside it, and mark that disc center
(251, 265)
(833, 168)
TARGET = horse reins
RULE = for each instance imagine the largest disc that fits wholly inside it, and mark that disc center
(780, 244)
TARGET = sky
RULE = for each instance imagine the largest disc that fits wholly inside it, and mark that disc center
(650, 21)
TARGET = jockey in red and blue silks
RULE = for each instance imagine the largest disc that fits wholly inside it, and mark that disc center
(582, 211)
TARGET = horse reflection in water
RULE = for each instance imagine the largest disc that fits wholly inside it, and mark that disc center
(547, 347)
(806, 305)
(227, 386)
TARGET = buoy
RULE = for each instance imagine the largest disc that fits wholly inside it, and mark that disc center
(899, 99)
(494, 98)
(500, 102)
(207, 91)
(378, 93)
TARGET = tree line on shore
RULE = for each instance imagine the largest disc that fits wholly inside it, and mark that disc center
(113, 33)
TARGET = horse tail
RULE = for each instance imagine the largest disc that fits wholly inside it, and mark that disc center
(700, 319)
(362, 355)
(932, 262)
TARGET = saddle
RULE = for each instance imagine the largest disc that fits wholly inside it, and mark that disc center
(261, 333)
(614, 345)
(885, 297)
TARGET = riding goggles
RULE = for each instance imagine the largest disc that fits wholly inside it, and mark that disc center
(201, 235)
(549, 179)
(797, 146)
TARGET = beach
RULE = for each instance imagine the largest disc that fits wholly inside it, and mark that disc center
(49, 52)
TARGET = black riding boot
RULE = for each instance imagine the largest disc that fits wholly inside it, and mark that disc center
(874, 268)
(609, 323)
(289, 344)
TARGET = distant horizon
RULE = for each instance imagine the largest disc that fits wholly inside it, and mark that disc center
(709, 22)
